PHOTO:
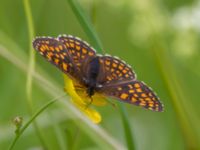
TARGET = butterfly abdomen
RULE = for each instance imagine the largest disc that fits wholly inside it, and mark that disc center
(93, 69)
(93, 73)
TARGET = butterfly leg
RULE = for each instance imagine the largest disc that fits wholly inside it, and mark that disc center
(90, 102)
(111, 103)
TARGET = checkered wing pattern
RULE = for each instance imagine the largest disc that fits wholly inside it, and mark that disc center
(55, 52)
(135, 92)
(113, 70)
(119, 81)
(80, 51)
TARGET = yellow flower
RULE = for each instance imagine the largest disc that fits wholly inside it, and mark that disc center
(82, 101)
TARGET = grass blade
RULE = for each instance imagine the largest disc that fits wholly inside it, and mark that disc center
(31, 65)
(86, 25)
(31, 120)
(127, 128)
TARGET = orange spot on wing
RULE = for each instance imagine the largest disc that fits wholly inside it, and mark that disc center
(150, 105)
(78, 47)
(126, 75)
(124, 71)
(42, 49)
(107, 62)
(78, 54)
(71, 44)
(114, 65)
(123, 96)
(133, 99)
(60, 47)
(46, 47)
(56, 61)
(51, 48)
(136, 85)
(109, 78)
(120, 67)
(130, 86)
(139, 90)
(62, 56)
(78, 43)
(57, 49)
(142, 104)
(84, 50)
(131, 91)
(91, 53)
(67, 44)
(143, 95)
(65, 66)
(58, 56)
(147, 99)
(150, 94)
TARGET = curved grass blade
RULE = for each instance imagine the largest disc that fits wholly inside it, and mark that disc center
(31, 120)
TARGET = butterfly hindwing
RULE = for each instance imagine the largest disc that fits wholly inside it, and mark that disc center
(135, 92)
(113, 70)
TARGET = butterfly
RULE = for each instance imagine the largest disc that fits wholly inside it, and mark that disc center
(102, 74)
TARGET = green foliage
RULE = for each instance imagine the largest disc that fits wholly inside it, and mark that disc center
(156, 39)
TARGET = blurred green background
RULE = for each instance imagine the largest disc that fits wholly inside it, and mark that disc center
(159, 39)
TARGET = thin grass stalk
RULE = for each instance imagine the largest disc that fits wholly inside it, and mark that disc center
(31, 68)
(86, 25)
(127, 128)
(58, 131)
(31, 120)
(172, 84)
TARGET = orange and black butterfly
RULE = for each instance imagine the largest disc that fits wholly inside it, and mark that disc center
(105, 75)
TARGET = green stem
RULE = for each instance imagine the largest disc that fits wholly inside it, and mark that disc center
(127, 128)
(173, 85)
(43, 108)
(31, 67)
(86, 25)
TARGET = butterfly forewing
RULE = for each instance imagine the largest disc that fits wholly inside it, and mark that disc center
(113, 71)
(56, 53)
(135, 92)
(80, 51)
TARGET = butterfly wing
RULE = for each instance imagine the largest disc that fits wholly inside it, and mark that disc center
(114, 71)
(119, 81)
(70, 54)
(56, 53)
(80, 51)
(134, 92)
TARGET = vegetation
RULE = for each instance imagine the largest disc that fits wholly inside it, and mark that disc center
(159, 39)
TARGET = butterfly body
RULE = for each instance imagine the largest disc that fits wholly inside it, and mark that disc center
(91, 80)
(105, 74)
